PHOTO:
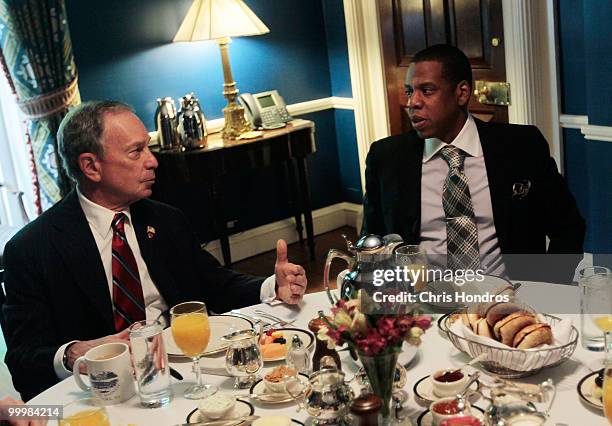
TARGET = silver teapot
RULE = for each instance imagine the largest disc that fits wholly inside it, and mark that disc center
(369, 254)
(328, 397)
(191, 123)
(166, 123)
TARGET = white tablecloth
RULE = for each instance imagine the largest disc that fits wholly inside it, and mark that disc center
(435, 352)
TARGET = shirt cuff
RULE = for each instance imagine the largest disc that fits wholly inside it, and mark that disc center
(58, 362)
(267, 293)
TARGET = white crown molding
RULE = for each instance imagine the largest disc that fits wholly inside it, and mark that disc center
(597, 133)
(591, 132)
(263, 238)
(569, 121)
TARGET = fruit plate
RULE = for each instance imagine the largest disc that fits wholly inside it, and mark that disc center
(306, 337)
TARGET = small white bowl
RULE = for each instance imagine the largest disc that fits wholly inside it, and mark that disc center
(216, 406)
(439, 417)
(277, 387)
(442, 389)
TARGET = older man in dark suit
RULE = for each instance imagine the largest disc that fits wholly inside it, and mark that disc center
(106, 256)
(484, 194)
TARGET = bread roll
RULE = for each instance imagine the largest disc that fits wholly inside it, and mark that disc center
(470, 320)
(506, 328)
(532, 336)
(483, 328)
(500, 310)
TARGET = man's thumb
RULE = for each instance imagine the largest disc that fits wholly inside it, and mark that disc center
(281, 251)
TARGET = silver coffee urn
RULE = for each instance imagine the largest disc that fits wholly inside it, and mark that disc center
(166, 124)
(191, 123)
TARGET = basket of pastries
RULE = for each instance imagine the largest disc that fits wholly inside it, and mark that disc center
(517, 341)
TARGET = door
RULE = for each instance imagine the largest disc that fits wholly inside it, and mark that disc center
(474, 26)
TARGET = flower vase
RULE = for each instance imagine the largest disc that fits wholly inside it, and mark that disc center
(380, 370)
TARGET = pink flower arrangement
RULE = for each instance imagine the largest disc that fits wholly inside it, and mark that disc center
(371, 334)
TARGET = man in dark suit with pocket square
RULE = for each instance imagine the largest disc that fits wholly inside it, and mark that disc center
(106, 256)
(487, 195)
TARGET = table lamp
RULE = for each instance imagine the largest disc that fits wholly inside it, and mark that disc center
(219, 20)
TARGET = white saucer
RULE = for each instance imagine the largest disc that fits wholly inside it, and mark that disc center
(426, 419)
(241, 409)
(423, 389)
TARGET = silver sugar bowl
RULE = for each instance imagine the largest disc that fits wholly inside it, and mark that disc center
(328, 397)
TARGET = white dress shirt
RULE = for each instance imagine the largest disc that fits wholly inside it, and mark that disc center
(99, 219)
(433, 220)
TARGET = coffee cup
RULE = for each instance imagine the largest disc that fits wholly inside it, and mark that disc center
(448, 382)
(110, 373)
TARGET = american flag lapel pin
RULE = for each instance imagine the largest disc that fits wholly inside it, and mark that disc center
(150, 232)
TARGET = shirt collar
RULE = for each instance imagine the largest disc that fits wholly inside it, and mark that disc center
(467, 140)
(98, 217)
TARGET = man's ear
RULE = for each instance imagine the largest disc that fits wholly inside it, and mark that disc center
(463, 92)
(90, 166)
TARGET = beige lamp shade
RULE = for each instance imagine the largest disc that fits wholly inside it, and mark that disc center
(214, 19)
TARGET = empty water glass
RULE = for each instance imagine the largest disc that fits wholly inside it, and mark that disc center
(150, 363)
(595, 285)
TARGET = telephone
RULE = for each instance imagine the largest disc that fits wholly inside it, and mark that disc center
(265, 110)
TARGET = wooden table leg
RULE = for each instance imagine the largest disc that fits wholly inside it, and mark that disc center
(306, 205)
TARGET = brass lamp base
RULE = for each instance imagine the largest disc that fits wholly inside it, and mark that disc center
(235, 122)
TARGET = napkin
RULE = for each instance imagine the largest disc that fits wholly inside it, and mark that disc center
(519, 360)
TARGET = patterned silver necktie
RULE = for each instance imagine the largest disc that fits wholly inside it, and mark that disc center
(461, 231)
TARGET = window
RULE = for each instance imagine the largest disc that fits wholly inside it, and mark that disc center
(15, 172)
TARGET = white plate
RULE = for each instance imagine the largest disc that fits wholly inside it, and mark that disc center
(220, 325)
(585, 391)
(426, 419)
(259, 388)
(241, 409)
(306, 337)
(423, 389)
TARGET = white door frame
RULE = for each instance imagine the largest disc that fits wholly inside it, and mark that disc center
(531, 70)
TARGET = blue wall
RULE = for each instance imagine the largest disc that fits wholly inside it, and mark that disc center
(585, 29)
(123, 51)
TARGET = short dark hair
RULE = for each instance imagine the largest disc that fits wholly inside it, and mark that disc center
(80, 131)
(455, 65)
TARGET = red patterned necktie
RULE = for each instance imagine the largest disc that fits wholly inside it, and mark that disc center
(128, 300)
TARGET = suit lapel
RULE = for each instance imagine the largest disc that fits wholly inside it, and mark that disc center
(499, 174)
(76, 245)
(150, 235)
(409, 167)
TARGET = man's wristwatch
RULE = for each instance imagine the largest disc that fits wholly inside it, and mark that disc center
(65, 357)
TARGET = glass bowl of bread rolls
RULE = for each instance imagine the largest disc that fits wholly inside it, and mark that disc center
(517, 341)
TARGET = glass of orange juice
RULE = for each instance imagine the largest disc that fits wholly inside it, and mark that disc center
(607, 384)
(191, 333)
(84, 412)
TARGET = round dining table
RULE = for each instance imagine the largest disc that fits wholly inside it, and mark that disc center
(435, 352)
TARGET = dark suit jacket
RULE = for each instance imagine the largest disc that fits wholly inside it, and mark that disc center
(57, 289)
(512, 154)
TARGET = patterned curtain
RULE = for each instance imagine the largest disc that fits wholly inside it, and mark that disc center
(36, 54)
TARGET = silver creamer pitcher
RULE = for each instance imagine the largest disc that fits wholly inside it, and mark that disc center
(166, 123)
(191, 123)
